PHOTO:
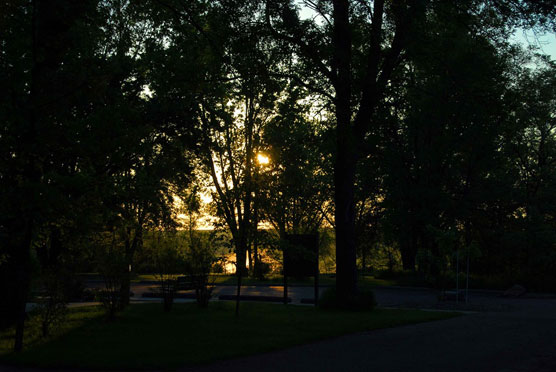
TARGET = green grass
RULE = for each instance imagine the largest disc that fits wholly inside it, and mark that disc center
(76, 318)
(143, 336)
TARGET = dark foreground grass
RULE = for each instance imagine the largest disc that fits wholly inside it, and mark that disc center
(143, 336)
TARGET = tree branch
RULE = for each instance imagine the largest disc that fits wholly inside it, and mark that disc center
(306, 50)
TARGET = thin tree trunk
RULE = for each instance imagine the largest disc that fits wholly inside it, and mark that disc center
(240, 257)
(363, 261)
(131, 248)
(31, 175)
(23, 288)
(23, 282)
(408, 253)
(125, 284)
(255, 240)
(250, 259)
(256, 258)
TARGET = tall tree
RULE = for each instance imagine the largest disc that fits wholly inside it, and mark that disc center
(43, 61)
(355, 48)
(295, 187)
(443, 141)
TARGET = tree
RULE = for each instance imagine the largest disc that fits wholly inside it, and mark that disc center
(219, 84)
(44, 56)
(528, 148)
(72, 76)
(442, 143)
(295, 196)
(149, 161)
(355, 51)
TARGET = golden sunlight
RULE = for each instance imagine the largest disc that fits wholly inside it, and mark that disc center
(263, 159)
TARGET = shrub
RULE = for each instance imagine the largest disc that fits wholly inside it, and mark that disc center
(110, 300)
(363, 300)
(199, 260)
(52, 307)
(111, 267)
(75, 289)
(262, 269)
(168, 261)
(168, 290)
(218, 268)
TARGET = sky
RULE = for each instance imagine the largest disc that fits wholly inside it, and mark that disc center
(546, 42)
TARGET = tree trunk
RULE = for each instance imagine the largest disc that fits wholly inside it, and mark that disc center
(408, 253)
(254, 240)
(240, 270)
(241, 257)
(409, 246)
(363, 260)
(130, 248)
(346, 156)
(346, 269)
(408, 260)
(23, 281)
(250, 259)
(256, 258)
(125, 284)
(344, 197)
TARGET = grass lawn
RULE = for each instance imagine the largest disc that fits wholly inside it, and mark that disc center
(143, 336)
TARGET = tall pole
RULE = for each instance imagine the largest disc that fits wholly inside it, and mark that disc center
(467, 278)
(457, 275)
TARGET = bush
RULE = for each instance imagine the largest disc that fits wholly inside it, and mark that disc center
(112, 266)
(88, 295)
(218, 268)
(199, 261)
(363, 300)
(52, 307)
(168, 289)
(75, 289)
(262, 269)
(110, 299)
(168, 261)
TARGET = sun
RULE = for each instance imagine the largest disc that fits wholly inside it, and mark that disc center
(263, 159)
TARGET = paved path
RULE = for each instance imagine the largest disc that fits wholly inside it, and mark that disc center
(523, 338)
